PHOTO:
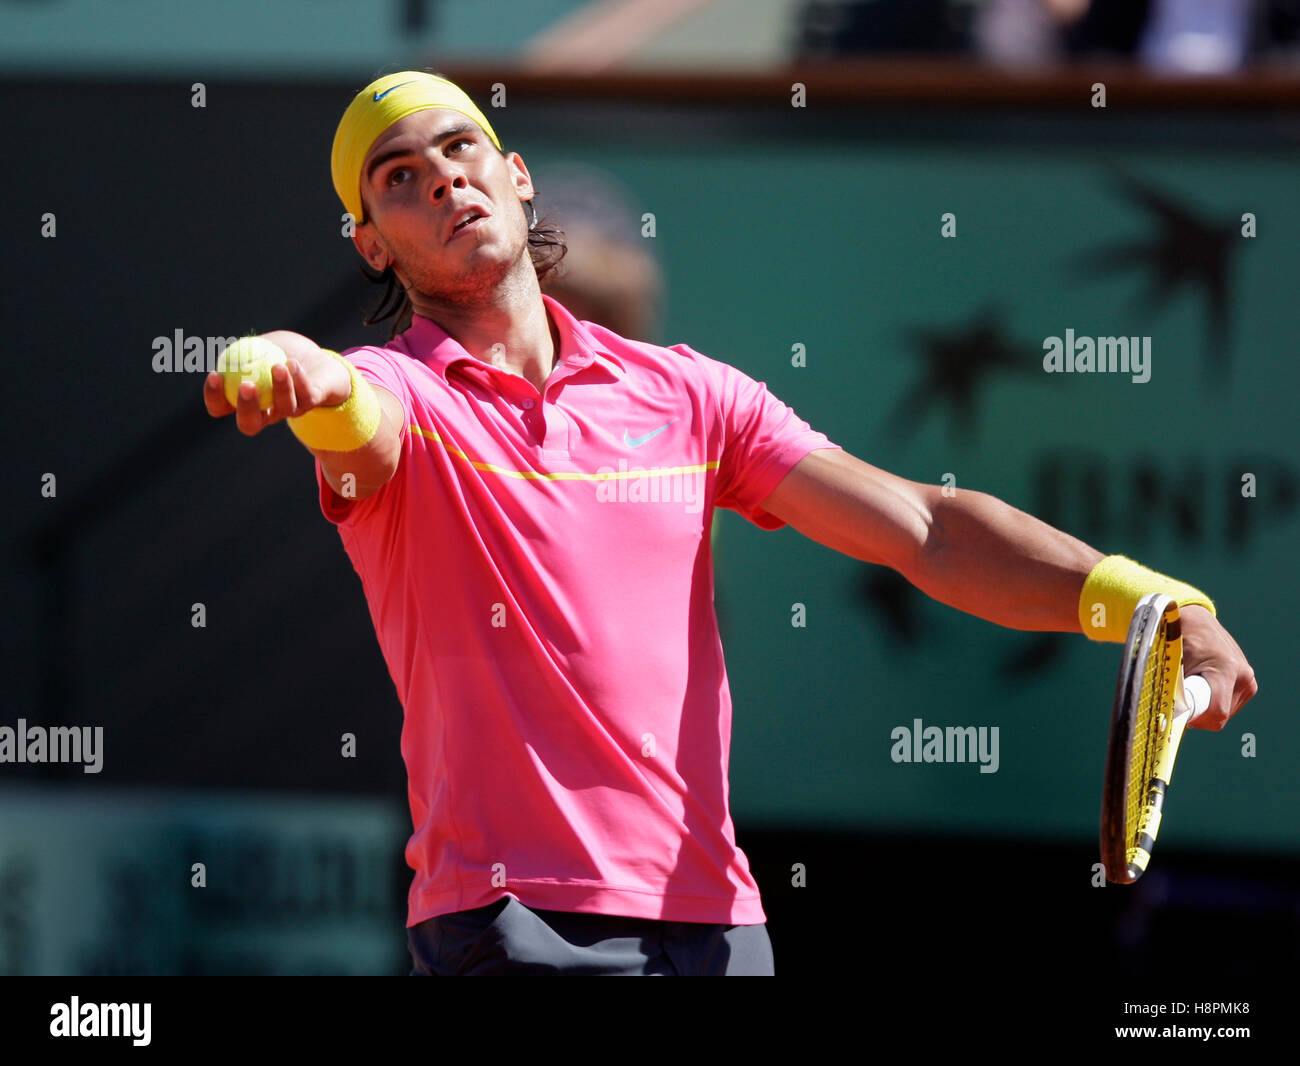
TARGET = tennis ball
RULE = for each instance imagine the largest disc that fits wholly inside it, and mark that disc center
(250, 359)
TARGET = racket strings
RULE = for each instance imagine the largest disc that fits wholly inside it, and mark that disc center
(1143, 739)
(1152, 720)
(1146, 734)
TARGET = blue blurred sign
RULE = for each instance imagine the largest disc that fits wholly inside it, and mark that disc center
(103, 883)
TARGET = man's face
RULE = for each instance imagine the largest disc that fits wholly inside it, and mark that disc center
(420, 181)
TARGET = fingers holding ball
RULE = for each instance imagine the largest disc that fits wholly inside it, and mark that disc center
(250, 359)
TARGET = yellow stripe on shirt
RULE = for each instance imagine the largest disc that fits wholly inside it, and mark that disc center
(563, 475)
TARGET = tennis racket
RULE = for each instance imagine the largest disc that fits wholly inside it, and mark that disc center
(1153, 704)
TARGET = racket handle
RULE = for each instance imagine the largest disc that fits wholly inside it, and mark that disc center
(1197, 691)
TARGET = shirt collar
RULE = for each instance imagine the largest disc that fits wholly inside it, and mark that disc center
(427, 341)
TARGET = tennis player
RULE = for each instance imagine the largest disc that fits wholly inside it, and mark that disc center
(527, 500)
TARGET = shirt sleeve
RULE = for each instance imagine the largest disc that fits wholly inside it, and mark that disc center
(762, 440)
(378, 369)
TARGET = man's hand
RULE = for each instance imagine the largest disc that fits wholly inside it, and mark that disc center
(309, 378)
(1209, 650)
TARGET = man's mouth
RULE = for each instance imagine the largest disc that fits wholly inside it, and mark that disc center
(468, 220)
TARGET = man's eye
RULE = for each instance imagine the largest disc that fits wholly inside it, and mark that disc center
(458, 142)
(393, 175)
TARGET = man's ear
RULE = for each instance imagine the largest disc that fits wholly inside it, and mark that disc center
(371, 246)
(519, 176)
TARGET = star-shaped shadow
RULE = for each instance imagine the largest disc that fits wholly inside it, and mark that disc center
(957, 362)
(1186, 250)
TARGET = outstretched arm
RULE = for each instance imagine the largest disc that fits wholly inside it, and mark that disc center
(980, 555)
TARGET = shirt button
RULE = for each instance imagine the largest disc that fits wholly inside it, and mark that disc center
(529, 405)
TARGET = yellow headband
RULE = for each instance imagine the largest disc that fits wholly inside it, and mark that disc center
(378, 106)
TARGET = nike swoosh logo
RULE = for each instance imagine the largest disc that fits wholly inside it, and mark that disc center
(636, 442)
(380, 96)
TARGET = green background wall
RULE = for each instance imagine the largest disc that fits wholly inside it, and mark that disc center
(772, 237)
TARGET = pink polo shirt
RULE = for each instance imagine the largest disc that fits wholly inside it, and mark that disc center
(539, 576)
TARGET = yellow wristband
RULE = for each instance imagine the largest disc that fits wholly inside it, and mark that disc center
(348, 426)
(1112, 590)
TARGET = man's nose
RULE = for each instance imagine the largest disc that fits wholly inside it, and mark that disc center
(445, 179)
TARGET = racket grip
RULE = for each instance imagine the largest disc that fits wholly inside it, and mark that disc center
(1197, 691)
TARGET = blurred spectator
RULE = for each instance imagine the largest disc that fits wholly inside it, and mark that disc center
(1168, 36)
(1197, 36)
(1022, 33)
(609, 275)
(1033, 33)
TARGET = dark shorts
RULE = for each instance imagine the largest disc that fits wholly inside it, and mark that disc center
(506, 938)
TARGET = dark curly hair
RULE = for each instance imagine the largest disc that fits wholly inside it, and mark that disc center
(546, 248)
